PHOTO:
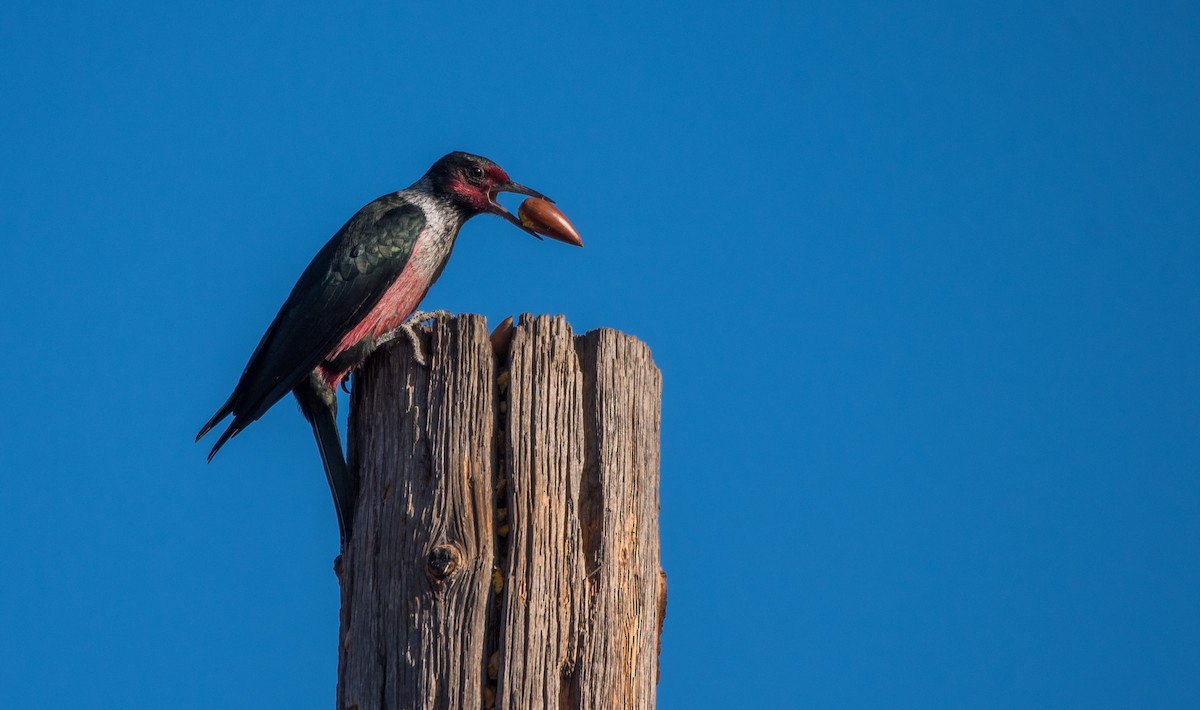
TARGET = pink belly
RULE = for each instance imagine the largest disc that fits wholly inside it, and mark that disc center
(397, 304)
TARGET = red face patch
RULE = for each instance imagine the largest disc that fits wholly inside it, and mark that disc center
(475, 192)
(496, 175)
(475, 196)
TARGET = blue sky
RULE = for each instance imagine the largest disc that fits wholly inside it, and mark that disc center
(922, 283)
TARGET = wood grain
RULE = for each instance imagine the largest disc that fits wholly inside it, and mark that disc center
(505, 551)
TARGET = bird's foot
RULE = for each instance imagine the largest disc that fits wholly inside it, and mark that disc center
(407, 331)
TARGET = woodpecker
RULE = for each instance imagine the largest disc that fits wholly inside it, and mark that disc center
(361, 290)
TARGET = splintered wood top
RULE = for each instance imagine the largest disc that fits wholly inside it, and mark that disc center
(505, 551)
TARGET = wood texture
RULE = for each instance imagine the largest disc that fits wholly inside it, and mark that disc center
(417, 570)
(618, 664)
(505, 552)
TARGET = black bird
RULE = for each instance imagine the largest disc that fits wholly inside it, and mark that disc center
(360, 291)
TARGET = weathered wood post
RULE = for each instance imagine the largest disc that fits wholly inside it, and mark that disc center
(505, 551)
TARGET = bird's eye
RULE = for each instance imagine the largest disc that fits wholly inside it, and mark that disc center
(475, 174)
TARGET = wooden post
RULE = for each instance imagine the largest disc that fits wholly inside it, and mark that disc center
(505, 551)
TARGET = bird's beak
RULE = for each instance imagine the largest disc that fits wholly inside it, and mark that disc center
(511, 186)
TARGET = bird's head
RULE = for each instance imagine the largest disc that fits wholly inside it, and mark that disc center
(472, 182)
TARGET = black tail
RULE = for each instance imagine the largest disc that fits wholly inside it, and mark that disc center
(320, 409)
(234, 428)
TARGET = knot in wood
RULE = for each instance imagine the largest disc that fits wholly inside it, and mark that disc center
(443, 561)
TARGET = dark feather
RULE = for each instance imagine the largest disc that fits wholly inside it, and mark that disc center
(319, 405)
(339, 288)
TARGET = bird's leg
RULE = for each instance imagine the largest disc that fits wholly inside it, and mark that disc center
(407, 331)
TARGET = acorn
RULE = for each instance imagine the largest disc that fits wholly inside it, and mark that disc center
(544, 218)
(501, 338)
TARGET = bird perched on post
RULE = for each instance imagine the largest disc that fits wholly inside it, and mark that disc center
(361, 290)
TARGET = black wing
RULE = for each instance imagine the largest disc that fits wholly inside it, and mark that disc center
(342, 284)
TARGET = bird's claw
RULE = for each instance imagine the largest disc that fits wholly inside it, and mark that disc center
(419, 317)
(406, 329)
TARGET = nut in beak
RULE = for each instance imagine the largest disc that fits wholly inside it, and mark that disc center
(543, 217)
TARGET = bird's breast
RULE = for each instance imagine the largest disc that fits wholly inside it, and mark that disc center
(424, 265)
